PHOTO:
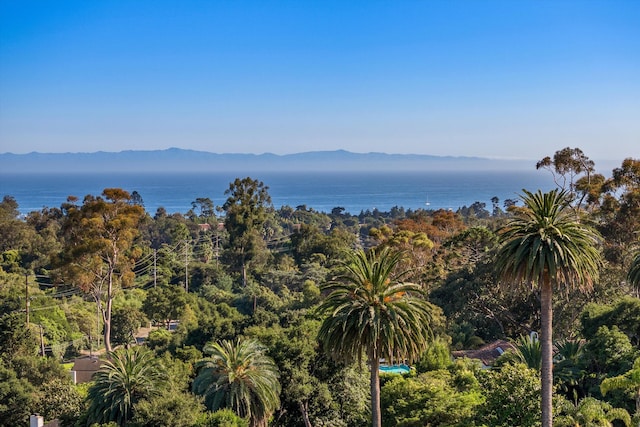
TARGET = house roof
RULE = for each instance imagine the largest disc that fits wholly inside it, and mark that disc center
(86, 364)
(488, 353)
(84, 367)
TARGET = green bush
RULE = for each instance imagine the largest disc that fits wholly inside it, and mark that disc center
(223, 418)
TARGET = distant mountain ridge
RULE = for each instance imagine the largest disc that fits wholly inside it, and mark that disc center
(184, 160)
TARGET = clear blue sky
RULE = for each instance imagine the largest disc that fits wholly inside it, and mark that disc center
(511, 78)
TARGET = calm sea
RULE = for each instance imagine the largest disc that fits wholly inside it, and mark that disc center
(354, 191)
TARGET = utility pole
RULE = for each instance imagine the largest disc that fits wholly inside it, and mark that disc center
(26, 291)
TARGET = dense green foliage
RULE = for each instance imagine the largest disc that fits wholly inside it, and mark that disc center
(511, 397)
(439, 397)
(77, 277)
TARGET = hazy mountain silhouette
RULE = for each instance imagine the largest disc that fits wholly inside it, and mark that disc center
(180, 160)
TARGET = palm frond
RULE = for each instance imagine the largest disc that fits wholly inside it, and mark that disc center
(129, 375)
(367, 311)
(240, 376)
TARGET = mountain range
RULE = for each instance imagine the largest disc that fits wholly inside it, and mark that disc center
(182, 160)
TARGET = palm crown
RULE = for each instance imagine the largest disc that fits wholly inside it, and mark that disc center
(545, 242)
(238, 375)
(368, 311)
(128, 376)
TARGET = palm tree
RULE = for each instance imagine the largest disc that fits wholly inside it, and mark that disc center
(370, 312)
(128, 376)
(544, 244)
(528, 351)
(566, 359)
(240, 376)
(567, 362)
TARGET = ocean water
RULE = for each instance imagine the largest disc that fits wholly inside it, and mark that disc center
(322, 191)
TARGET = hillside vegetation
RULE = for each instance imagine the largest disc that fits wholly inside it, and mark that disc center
(247, 314)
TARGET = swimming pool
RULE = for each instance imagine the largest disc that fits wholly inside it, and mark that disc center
(395, 369)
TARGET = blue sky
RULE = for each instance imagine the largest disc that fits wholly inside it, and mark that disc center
(507, 79)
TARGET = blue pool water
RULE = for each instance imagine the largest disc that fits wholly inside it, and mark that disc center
(395, 369)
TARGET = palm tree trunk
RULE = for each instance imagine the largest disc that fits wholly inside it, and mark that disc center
(374, 362)
(546, 374)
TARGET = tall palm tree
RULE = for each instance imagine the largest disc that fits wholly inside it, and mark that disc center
(369, 312)
(240, 376)
(546, 245)
(128, 376)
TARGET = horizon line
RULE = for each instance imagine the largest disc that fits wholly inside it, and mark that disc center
(268, 153)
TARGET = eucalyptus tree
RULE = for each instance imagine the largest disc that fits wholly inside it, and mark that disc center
(246, 210)
(125, 378)
(620, 210)
(544, 244)
(98, 253)
(26, 242)
(205, 206)
(566, 167)
(12, 229)
(368, 310)
(240, 376)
